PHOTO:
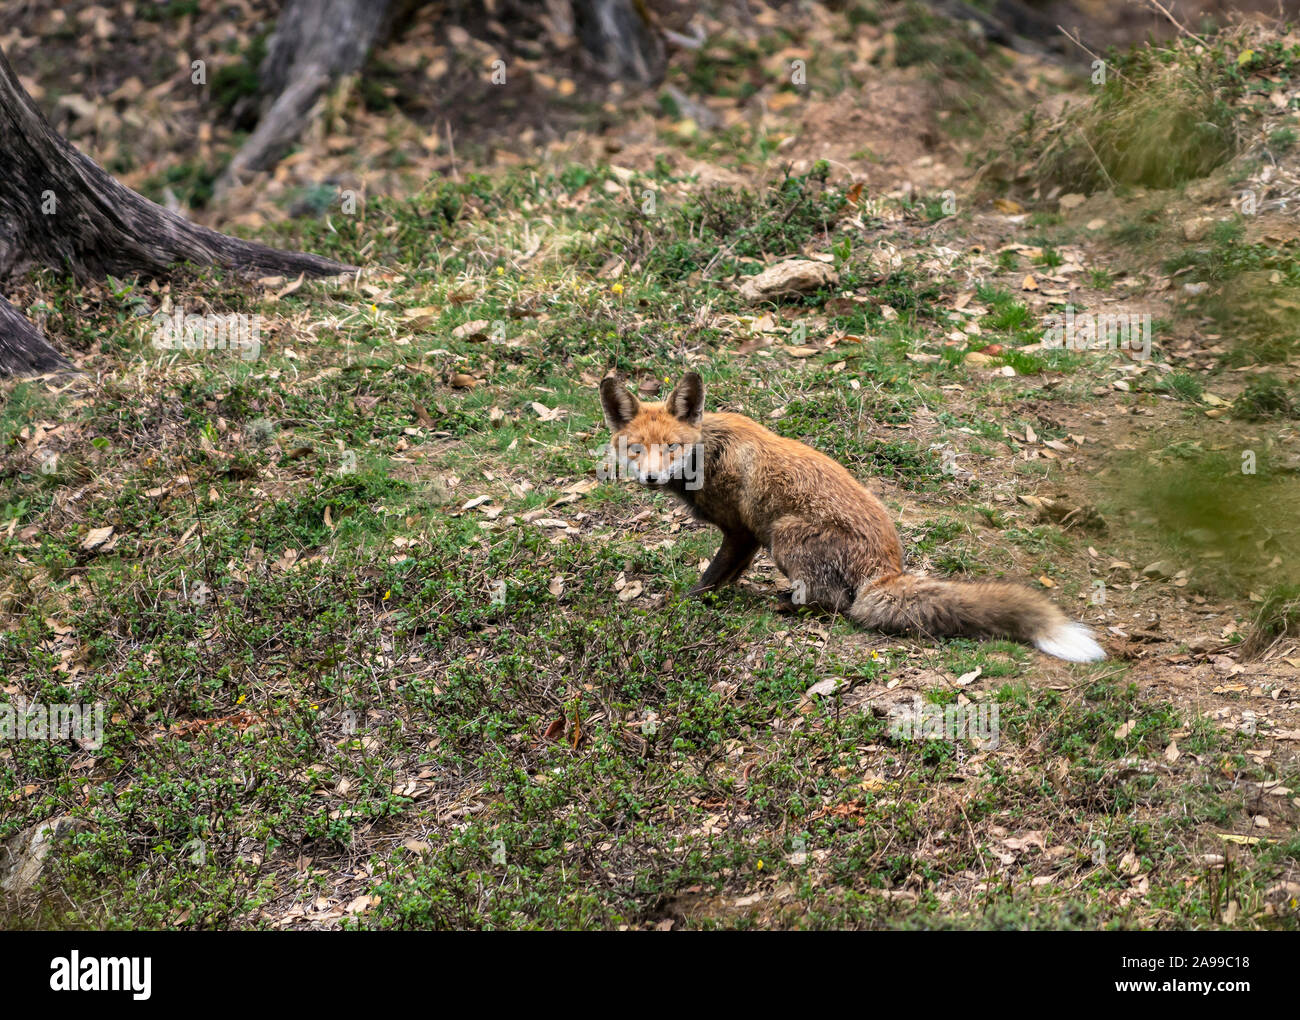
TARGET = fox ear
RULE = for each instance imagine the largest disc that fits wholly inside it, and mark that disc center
(686, 402)
(620, 406)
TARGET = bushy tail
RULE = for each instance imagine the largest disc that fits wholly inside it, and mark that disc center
(907, 604)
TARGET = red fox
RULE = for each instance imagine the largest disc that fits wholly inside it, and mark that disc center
(831, 537)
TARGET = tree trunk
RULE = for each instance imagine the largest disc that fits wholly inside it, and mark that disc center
(317, 41)
(59, 209)
(1010, 23)
(23, 351)
(619, 37)
(314, 43)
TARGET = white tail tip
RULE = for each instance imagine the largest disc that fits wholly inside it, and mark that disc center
(1072, 642)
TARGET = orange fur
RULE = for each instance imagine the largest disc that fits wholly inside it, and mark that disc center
(832, 538)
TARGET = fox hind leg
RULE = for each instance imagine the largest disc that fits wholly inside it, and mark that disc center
(817, 562)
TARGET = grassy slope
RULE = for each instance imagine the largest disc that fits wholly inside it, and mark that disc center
(342, 693)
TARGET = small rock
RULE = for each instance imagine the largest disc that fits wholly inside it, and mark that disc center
(788, 279)
(22, 857)
(1197, 227)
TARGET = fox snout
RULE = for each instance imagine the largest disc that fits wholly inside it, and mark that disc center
(648, 476)
(655, 464)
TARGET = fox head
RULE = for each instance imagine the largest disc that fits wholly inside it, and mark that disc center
(656, 443)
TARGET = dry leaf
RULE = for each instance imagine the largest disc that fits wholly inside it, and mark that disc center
(96, 537)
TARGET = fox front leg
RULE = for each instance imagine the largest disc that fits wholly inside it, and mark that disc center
(733, 557)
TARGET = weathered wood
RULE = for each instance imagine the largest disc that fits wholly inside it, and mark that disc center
(59, 209)
(23, 351)
(318, 41)
(314, 43)
(620, 39)
(1010, 23)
